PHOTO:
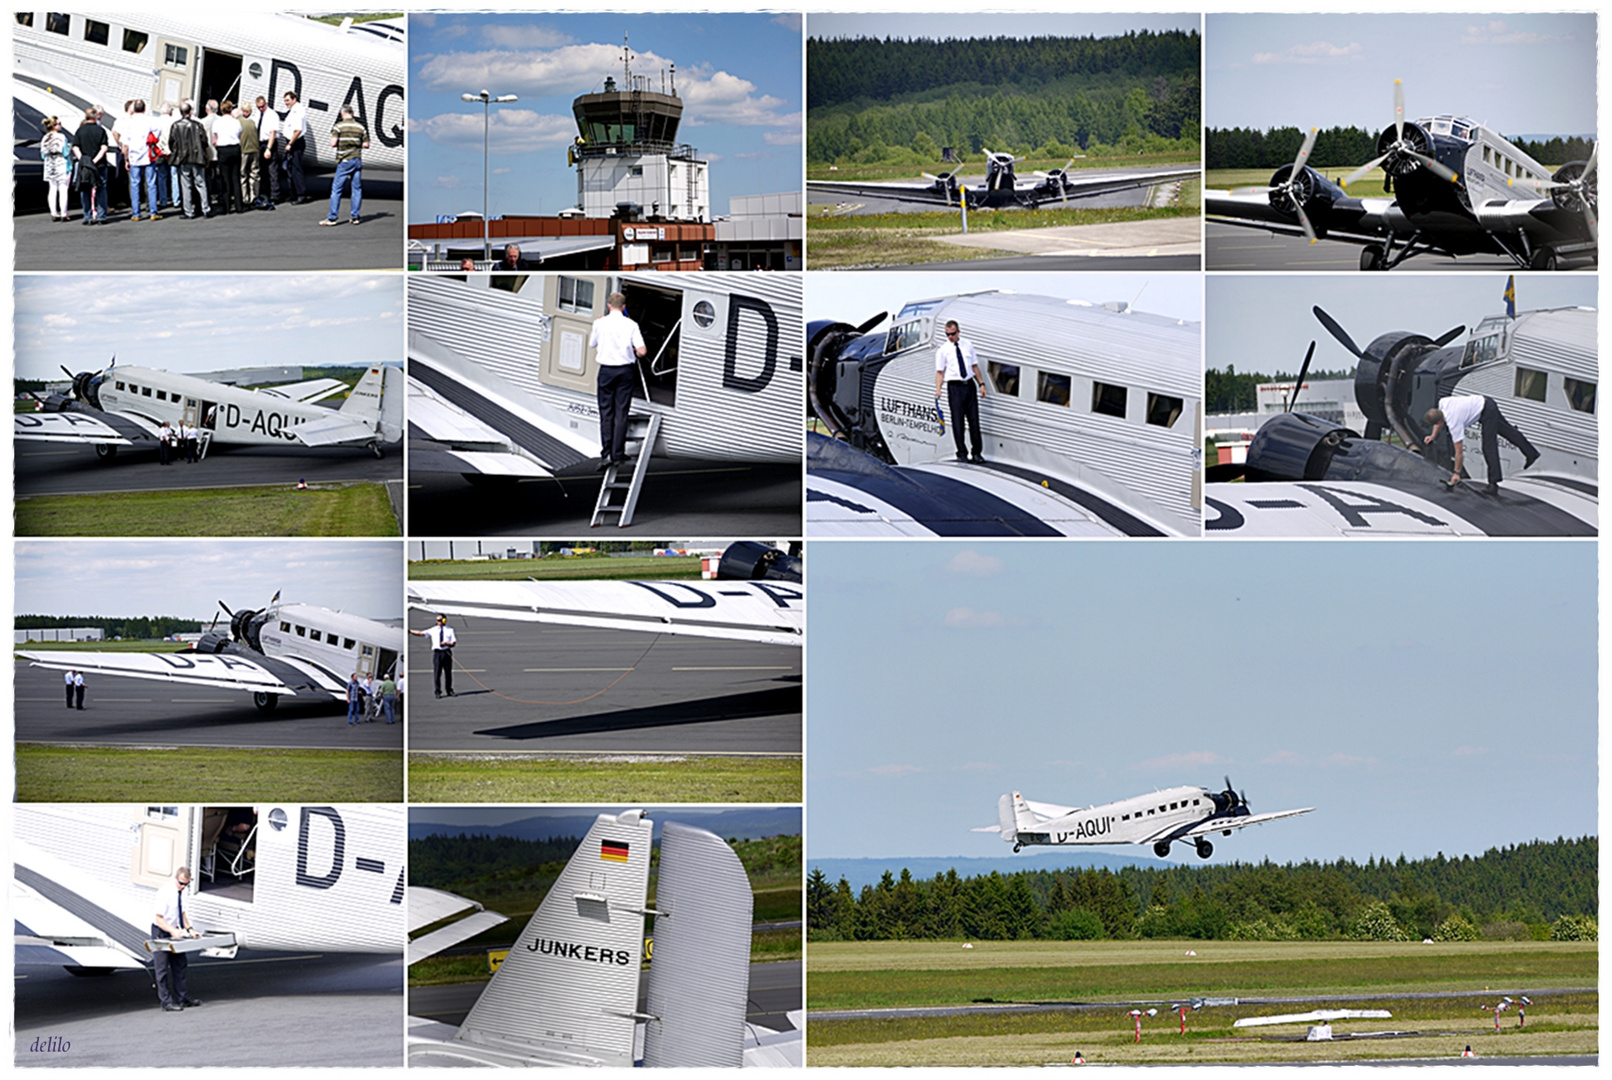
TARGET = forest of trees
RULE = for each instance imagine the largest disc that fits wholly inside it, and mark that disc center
(441, 861)
(1340, 148)
(872, 100)
(1534, 890)
(1232, 392)
(143, 628)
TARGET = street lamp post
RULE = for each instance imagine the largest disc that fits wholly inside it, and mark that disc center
(487, 102)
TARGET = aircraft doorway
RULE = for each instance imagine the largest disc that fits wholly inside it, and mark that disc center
(657, 312)
(209, 415)
(220, 79)
(227, 864)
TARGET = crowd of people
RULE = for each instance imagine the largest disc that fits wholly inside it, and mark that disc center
(221, 159)
(369, 699)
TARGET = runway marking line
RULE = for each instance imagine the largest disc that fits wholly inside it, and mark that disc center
(582, 669)
(752, 667)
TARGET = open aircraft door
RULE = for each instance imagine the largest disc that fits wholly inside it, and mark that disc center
(164, 841)
(176, 68)
(366, 659)
(571, 303)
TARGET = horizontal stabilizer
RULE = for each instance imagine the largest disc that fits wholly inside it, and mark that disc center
(205, 943)
(306, 392)
(452, 934)
(337, 429)
(1315, 1016)
(427, 906)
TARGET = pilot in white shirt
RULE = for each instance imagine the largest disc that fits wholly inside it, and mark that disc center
(617, 344)
(442, 642)
(1460, 411)
(957, 368)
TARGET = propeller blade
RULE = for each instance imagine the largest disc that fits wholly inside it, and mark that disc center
(1449, 336)
(69, 374)
(1589, 219)
(227, 611)
(1255, 190)
(1297, 386)
(1304, 221)
(871, 323)
(1363, 170)
(1338, 332)
(1304, 154)
(1399, 111)
(1595, 152)
(1437, 168)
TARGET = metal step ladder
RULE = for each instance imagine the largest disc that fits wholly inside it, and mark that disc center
(642, 431)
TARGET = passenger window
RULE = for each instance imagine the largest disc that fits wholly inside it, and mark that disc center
(134, 41)
(1053, 389)
(313, 635)
(25, 18)
(145, 391)
(347, 643)
(302, 631)
(1530, 384)
(57, 23)
(1107, 400)
(162, 395)
(97, 33)
(576, 295)
(285, 628)
(1005, 377)
(1580, 395)
(1163, 411)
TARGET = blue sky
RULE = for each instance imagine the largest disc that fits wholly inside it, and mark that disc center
(1265, 323)
(1424, 697)
(1515, 74)
(739, 77)
(205, 322)
(187, 578)
(854, 298)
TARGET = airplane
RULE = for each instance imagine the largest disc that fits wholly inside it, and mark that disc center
(63, 63)
(281, 650)
(127, 406)
(502, 379)
(1092, 423)
(1307, 476)
(1161, 818)
(87, 878)
(1320, 1021)
(1458, 189)
(758, 596)
(1001, 188)
(568, 992)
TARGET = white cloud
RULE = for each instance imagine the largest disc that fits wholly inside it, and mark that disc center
(968, 618)
(1188, 760)
(974, 564)
(509, 131)
(789, 21)
(894, 770)
(1313, 53)
(1496, 32)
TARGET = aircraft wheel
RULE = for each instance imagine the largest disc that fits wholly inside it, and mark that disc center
(1371, 257)
(1205, 849)
(265, 701)
(1544, 259)
(88, 972)
(1016, 848)
(106, 451)
(1162, 849)
(375, 448)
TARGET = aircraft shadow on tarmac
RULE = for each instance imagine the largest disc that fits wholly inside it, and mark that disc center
(246, 714)
(775, 701)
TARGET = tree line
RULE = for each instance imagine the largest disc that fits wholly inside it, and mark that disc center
(1342, 148)
(141, 628)
(840, 70)
(1232, 392)
(1538, 890)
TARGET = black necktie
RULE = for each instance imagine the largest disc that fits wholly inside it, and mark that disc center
(180, 928)
(961, 370)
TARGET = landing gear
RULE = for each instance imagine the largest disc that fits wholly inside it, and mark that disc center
(1543, 259)
(375, 448)
(265, 701)
(1016, 848)
(106, 451)
(1205, 848)
(1162, 849)
(1373, 257)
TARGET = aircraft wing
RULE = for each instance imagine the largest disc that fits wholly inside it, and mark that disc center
(333, 430)
(427, 906)
(445, 438)
(1354, 221)
(1079, 185)
(1029, 192)
(904, 191)
(1222, 824)
(768, 612)
(226, 670)
(306, 392)
(1314, 1016)
(1528, 505)
(58, 921)
(83, 425)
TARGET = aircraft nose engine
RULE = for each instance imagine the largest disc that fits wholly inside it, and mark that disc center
(1297, 446)
(1404, 152)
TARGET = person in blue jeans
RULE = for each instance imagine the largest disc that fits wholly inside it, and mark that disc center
(355, 700)
(349, 139)
(138, 127)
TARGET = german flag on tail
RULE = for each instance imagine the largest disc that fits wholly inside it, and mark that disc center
(613, 850)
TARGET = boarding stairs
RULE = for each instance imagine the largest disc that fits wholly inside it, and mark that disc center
(642, 431)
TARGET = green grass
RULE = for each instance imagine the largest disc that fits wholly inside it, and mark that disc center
(100, 646)
(626, 568)
(521, 778)
(975, 169)
(206, 774)
(1368, 186)
(322, 510)
(889, 974)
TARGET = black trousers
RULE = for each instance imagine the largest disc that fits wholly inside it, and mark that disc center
(69, 695)
(78, 695)
(228, 198)
(1496, 425)
(964, 399)
(169, 966)
(615, 404)
(442, 670)
(293, 168)
(162, 451)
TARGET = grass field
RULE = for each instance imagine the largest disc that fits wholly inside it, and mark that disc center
(321, 510)
(206, 774)
(626, 568)
(837, 241)
(101, 646)
(1370, 185)
(879, 974)
(521, 778)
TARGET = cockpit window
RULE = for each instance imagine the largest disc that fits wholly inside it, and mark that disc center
(905, 335)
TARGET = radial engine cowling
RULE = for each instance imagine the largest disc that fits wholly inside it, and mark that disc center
(1297, 446)
(1398, 163)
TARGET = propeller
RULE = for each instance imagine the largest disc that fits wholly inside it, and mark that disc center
(1401, 148)
(1236, 802)
(1448, 336)
(947, 182)
(1338, 332)
(1573, 191)
(1304, 369)
(1294, 188)
(1058, 176)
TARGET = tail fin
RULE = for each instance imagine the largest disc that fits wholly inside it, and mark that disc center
(364, 403)
(1025, 817)
(568, 992)
(699, 981)
(1004, 817)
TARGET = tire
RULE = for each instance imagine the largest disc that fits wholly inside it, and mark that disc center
(375, 448)
(1162, 849)
(1205, 849)
(1544, 259)
(265, 701)
(1371, 257)
(106, 451)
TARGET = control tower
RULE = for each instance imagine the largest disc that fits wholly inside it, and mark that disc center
(626, 151)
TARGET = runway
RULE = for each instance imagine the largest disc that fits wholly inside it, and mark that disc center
(262, 1008)
(685, 696)
(287, 238)
(63, 469)
(145, 712)
(1233, 247)
(679, 498)
(775, 991)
